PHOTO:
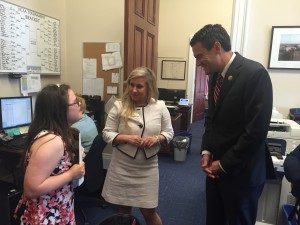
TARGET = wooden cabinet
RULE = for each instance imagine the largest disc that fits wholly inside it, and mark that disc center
(185, 110)
(176, 124)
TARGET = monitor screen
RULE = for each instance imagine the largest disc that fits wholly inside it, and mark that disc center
(171, 95)
(15, 111)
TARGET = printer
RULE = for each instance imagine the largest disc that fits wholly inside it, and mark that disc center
(285, 129)
(282, 133)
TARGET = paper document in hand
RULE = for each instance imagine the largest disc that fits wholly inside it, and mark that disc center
(80, 149)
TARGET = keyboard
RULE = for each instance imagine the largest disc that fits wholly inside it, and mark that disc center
(18, 142)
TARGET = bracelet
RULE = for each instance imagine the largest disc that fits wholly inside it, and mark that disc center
(158, 140)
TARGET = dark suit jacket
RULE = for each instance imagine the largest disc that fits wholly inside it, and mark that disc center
(236, 127)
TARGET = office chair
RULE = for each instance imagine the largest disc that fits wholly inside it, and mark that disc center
(88, 194)
(120, 219)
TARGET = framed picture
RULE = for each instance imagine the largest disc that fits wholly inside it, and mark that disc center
(173, 69)
(285, 48)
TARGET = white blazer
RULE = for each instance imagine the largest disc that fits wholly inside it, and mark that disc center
(151, 120)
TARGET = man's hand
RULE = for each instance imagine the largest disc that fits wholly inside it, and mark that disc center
(210, 167)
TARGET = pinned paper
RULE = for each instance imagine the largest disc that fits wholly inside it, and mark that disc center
(93, 86)
(115, 78)
(112, 47)
(111, 61)
(30, 83)
(89, 68)
(112, 90)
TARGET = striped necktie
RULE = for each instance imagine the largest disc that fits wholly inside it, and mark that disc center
(218, 85)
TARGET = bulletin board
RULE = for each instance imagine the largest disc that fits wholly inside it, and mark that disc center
(94, 50)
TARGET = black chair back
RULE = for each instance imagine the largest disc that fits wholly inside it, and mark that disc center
(94, 173)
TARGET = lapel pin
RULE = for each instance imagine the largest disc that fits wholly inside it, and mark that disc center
(229, 77)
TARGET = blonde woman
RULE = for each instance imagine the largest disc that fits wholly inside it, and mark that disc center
(136, 126)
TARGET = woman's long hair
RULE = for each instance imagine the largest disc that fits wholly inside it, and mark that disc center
(50, 114)
(128, 106)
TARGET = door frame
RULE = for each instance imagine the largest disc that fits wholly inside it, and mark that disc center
(191, 78)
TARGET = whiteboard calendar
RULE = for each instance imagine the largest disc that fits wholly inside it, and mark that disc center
(29, 41)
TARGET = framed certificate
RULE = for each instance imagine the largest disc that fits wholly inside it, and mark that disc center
(173, 70)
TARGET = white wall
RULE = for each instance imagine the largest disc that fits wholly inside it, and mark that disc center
(178, 20)
(53, 8)
(264, 15)
(101, 21)
(80, 21)
(91, 21)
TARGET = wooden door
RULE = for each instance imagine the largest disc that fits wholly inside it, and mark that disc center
(141, 34)
(199, 94)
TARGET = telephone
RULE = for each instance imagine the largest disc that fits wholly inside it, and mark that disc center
(4, 138)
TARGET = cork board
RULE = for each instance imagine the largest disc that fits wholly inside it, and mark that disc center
(94, 50)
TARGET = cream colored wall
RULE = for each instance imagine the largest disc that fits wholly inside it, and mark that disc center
(101, 22)
(264, 15)
(178, 20)
(80, 21)
(91, 21)
(53, 8)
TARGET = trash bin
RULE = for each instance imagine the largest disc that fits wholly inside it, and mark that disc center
(181, 145)
(186, 134)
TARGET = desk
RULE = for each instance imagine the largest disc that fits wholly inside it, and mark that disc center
(15, 162)
(185, 110)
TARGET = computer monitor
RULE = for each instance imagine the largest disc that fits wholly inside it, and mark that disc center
(171, 95)
(15, 111)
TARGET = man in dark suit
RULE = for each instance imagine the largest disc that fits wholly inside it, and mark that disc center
(234, 150)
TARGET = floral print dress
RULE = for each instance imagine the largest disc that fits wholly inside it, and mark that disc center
(56, 207)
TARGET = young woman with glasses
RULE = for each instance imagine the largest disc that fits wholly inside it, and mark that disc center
(50, 162)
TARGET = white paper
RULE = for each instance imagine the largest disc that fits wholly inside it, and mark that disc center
(110, 103)
(79, 181)
(89, 68)
(111, 61)
(30, 83)
(93, 86)
(112, 90)
(112, 47)
(115, 78)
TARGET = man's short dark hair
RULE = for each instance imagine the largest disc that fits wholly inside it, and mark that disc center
(210, 34)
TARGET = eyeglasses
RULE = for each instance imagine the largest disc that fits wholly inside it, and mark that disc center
(76, 102)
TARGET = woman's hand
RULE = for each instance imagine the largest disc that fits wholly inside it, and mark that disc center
(134, 140)
(148, 142)
(77, 171)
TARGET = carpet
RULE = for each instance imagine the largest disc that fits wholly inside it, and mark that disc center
(181, 190)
